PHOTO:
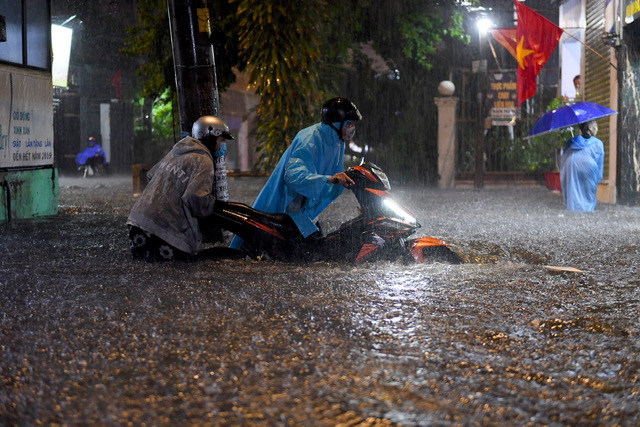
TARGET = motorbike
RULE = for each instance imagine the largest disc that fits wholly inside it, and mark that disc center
(381, 230)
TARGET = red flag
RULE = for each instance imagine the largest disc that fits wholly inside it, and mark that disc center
(537, 38)
(507, 38)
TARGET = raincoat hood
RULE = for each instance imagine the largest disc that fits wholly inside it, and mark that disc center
(579, 142)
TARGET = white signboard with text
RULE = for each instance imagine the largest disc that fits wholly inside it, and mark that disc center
(26, 119)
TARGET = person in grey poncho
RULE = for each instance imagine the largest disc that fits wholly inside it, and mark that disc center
(164, 221)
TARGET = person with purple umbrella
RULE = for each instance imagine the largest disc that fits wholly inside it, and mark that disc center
(582, 168)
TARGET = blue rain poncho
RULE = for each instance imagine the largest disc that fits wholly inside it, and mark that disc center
(89, 152)
(298, 185)
(581, 169)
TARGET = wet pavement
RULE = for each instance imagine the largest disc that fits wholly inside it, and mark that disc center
(90, 337)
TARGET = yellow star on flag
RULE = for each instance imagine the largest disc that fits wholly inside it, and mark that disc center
(522, 53)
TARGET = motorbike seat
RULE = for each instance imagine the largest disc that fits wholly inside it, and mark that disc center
(283, 222)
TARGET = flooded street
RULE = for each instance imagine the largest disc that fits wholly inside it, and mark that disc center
(91, 337)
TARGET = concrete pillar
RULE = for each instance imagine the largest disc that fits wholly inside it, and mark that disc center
(447, 140)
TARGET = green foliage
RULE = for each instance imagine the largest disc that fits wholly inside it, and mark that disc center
(555, 104)
(280, 42)
(544, 149)
(300, 53)
(165, 117)
(150, 41)
(420, 38)
(527, 155)
(456, 30)
(540, 153)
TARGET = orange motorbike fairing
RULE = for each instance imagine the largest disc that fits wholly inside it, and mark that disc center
(423, 242)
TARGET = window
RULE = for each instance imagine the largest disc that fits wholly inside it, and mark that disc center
(38, 33)
(28, 33)
(11, 50)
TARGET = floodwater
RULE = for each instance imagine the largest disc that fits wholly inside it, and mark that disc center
(89, 336)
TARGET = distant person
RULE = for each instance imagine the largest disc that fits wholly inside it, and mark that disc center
(92, 159)
(303, 182)
(582, 168)
(164, 223)
(576, 85)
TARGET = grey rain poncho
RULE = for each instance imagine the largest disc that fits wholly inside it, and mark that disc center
(178, 193)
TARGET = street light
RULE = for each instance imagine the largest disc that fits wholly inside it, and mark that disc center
(484, 24)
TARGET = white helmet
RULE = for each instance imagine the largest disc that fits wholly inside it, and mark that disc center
(210, 126)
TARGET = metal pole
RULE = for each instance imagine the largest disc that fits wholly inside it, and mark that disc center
(481, 87)
(479, 169)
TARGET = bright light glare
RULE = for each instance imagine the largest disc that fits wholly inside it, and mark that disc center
(61, 43)
(399, 210)
(355, 147)
(484, 24)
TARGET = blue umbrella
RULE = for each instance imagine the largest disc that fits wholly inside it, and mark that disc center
(569, 115)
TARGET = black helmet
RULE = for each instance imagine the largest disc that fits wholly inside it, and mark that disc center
(339, 110)
(210, 126)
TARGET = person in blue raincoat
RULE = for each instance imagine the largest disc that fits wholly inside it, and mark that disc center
(303, 182)
(93, 155)
(581, 168)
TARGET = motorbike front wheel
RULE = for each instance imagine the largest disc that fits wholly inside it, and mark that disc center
(441, 254)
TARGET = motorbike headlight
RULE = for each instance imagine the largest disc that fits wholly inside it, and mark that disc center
(399, 211)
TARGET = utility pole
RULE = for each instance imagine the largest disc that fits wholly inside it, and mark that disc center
(195, 69)
(194, 60)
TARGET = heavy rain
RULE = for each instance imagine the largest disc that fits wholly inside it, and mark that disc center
(539, 326)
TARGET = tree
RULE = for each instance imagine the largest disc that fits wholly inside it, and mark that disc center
(150, 41)
(299, 53)
(280, 40)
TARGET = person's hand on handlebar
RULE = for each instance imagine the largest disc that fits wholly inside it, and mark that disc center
(342, 179)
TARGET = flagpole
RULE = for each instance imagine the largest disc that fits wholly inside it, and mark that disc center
(495, 55)
(589, 47)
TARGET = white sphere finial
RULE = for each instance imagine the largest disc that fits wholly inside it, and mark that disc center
(446, 88)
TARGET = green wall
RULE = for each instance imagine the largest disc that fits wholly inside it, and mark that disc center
(28, 193)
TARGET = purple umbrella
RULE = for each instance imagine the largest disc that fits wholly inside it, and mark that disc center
(569, 115)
